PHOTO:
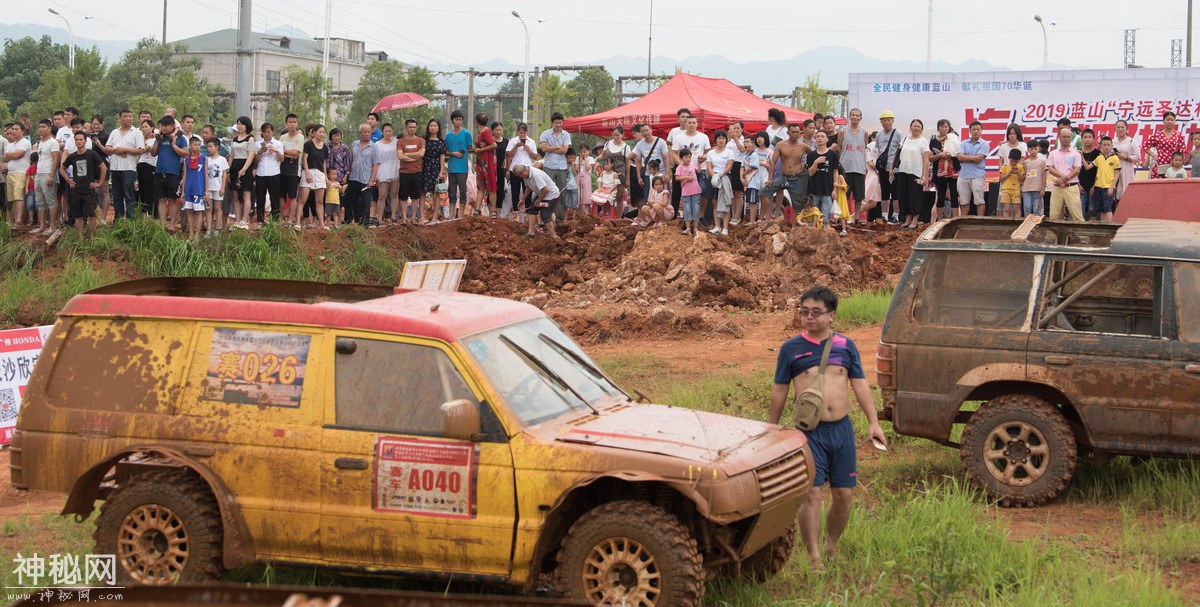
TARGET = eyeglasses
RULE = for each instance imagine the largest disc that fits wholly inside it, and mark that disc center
(811, 313)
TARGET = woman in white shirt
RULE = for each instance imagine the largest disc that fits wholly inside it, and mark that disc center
(1013, 140)
(523, 151)
(912, 174)
(618, 152)
(266, 177)
(1130, 155)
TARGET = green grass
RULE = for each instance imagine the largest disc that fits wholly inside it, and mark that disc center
(44, 535)
(142, 246)
(863, 308)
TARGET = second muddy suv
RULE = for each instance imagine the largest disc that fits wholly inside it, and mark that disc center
(228, 422)
(1079, 337)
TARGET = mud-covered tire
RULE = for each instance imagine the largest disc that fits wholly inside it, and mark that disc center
(164, 528)
(632, 553)
(772, 558)
(1019, 450)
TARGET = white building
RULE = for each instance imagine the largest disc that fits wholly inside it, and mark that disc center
(272, 52)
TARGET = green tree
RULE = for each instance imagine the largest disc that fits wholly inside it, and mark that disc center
(22, 65)
(5, 112)
(153, 76)
(299, 94)
(812, 97)
(549, 95)
(383, 78)
(591, 91)
(61, 86)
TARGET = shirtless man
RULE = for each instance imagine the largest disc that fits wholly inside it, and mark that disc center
(792, 177)
(832, 441)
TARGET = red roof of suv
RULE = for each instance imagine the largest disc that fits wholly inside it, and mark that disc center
(437, 314)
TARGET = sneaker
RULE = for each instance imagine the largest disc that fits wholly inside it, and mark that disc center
(715, 230)
(296, 227)
(843, 232)
(735, 222)
(725, 232)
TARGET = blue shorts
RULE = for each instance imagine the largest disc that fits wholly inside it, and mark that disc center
(752, 196)
(834, 457)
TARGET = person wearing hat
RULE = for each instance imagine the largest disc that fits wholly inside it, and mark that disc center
(888, 142)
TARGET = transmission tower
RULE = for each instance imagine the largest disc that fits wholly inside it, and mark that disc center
(1177, 53)
(1130, 48)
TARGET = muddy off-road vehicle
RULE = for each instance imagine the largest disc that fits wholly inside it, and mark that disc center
(1082, 338)
(228, 422)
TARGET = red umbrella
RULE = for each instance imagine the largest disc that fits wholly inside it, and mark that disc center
(400, 101)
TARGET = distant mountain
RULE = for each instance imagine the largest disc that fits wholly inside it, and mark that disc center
(110, 50)
(833, 63)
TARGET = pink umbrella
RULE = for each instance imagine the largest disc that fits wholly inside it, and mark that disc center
(400, 101)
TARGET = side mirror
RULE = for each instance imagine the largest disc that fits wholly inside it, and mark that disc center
(460, 419)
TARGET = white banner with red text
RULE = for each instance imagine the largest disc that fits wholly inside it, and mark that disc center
(1034, 100)
(19, 351)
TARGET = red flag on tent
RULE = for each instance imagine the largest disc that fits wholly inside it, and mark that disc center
(400, 101)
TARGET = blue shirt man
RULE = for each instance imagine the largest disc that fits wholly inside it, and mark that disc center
(972, 147)
(169, 161)
(458, 141)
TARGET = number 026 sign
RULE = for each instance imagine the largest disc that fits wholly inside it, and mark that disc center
(430, 478)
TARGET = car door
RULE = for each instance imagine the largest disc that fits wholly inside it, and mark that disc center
(252, 413)
(1099, 337)
(396, 493)
(1185, 373)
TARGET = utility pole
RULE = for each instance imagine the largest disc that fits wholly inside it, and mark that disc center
(929, 39)
(1131, 48)
(1177, 53)
(650, 44)
(1189, 34)
(244, 68)
(325, 63)
(164, 37)
(470, 96)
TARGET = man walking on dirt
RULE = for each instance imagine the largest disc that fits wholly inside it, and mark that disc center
(832, 441)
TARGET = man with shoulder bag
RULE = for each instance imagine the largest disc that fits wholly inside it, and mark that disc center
(824, 367)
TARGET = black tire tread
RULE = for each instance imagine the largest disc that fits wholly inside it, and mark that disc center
(636, 518)
(1033, 410)
(190, 498)
(772, 558)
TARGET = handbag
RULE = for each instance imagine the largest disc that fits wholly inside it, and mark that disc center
(602, 195)
(807, 408)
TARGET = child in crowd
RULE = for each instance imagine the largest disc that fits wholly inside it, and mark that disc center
(218, 169)
(608, 183)
(1176, 171)
(30, 197)
(658, 204)
(689, 188)
(754, 175)
(872, 194)
(841, 208)
(1108, 177)
(1012, 175)
(333, 199)
(571, 194)
(584, 165)
(1044, 151)
(1034, 183)
(194, 186)
(1193, 157)
(810, 215)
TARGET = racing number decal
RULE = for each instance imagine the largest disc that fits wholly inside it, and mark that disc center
(256, 367)
(424, 477)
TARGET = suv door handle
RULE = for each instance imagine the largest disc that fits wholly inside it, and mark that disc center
(1191, 368)
(350, 463)
(1055, 359)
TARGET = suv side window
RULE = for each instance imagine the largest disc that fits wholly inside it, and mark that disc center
(1102, 297)
(1187, 285)
(974, 289)
(394, 387)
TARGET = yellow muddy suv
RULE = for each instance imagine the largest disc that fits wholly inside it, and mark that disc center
(1079, 337)
(228, 422)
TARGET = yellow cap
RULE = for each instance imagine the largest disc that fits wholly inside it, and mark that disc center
(886, 114)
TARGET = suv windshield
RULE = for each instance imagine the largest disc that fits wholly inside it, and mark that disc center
(539, 371)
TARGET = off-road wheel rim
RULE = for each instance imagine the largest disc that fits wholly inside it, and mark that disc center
(620, 571)
(1016, 453)
(152, 544)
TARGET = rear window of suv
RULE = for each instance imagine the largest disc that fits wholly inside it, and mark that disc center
(974, 289)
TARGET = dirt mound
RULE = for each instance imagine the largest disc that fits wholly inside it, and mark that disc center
(762, 267)
(616, 323)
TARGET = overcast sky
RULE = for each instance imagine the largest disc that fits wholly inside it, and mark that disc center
(1002, 32)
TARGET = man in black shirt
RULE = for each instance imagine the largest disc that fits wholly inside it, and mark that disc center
(823, 165)
(87, 176)
(1087, 176)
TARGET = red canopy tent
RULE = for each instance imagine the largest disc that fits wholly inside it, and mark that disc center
(715, 102)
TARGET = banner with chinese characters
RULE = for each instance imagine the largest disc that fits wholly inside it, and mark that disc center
(19, 350)
(1035, 100)
(256, 367)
